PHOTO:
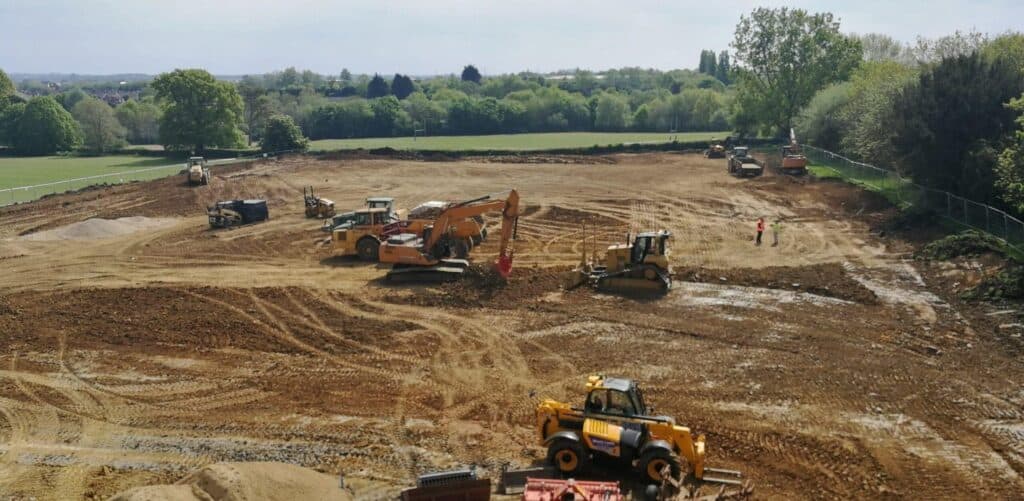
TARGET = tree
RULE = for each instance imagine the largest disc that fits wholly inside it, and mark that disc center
(100, 128)
(471, 74)
(879, 47)
(388, 116)
(723, 67)
(612, 112)
(10, 114)
(44, 128)
(784, 57)
(958, 44)
(6, 85)
(869, 115)
(70, 98)
(425, 114)
(820, 123)
(345, 76)
(948, 126)
(377, 87)
(281, 134)
(257, 106)
(402, 86)
(141, 119)
(198, 111)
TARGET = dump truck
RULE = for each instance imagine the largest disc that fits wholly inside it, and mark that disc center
(793, 159)
(197, 170)
(616, 424)
(741, 163)
(229, 213)
(438, 255)
(637, 265)
(316, 206)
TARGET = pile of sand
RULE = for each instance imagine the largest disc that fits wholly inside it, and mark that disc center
(244, 481)
(96, 228)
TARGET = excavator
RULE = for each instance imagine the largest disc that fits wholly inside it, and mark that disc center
(616, 424)
(438, 255)
(793, 159)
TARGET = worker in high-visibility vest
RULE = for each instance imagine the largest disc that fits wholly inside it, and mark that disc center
(760, 230)
(776, 230)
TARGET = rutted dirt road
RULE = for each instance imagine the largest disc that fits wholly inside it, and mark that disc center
(825, 367)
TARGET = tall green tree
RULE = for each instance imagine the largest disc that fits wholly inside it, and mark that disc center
(612, 112)
(6, 85)
(100, 128)
(471, 74)
(724, 66)
(377, 87)
(257, 106)
(44, 128)
(141, 119)
(1010, 169)
(281, 134)
(198, 111)
(10, 114)
(948, 126)
(402, 86)
(783, 57)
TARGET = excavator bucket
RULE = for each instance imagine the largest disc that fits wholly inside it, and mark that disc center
(504, 266)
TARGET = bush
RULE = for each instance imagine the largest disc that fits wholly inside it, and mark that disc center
(281, 134)
(967, 243)
(44, 128)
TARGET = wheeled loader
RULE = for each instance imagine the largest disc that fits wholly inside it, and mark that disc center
(615, 424)
(640, 265)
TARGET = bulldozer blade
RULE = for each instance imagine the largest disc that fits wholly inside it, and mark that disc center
(573, 279)
(728, 477)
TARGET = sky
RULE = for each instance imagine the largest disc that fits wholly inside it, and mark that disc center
(424, 37)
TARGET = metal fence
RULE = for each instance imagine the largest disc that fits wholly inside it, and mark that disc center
(906, 193)
(21, 194)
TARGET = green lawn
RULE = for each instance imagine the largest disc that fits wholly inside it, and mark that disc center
(544, 141)
(30, 171)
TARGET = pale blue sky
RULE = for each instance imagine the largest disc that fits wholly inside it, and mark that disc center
(423, 36)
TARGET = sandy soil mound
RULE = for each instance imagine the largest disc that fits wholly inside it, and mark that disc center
(243, 481)
(96, 228)
(483, 287)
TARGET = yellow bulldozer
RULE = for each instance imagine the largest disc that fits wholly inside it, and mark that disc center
(715, 150)
(615, 423)
(637, 265)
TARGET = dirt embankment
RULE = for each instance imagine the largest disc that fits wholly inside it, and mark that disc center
(483, 287)
(828, 279)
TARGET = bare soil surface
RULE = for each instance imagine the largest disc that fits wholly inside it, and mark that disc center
(831, 366)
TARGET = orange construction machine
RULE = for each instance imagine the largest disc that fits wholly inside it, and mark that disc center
(793, 159)
(439, 254)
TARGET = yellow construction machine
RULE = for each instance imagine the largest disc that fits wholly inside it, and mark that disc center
(198, 171)
(316, 206)
(438, 254)
(715, 150)
(615, 423)
(793, 159)
(361, 233)
(640, 265)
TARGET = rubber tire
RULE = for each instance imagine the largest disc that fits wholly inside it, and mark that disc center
(562, 450)
(656, 459)
(368, 249)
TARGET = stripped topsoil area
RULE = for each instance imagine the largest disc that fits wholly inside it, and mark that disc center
(827, 279)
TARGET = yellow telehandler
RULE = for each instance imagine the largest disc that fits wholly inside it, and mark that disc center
(615, 423)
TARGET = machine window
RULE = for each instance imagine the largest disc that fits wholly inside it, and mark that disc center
(619, 403)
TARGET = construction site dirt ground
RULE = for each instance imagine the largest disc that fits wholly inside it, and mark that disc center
(832, 366)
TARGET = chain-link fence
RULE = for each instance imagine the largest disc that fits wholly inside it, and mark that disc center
(20, 194)
(906, 193)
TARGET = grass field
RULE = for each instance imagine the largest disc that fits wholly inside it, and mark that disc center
(543, 141)
(31, 171)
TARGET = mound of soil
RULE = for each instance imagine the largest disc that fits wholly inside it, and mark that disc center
(98, 228)
(481, 286)
(828, 279)
(564, 215)
(967, 243)
(240, 481)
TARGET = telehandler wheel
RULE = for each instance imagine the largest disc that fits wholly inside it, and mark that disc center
(368, 249)
(653, 461)
(568, 456)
